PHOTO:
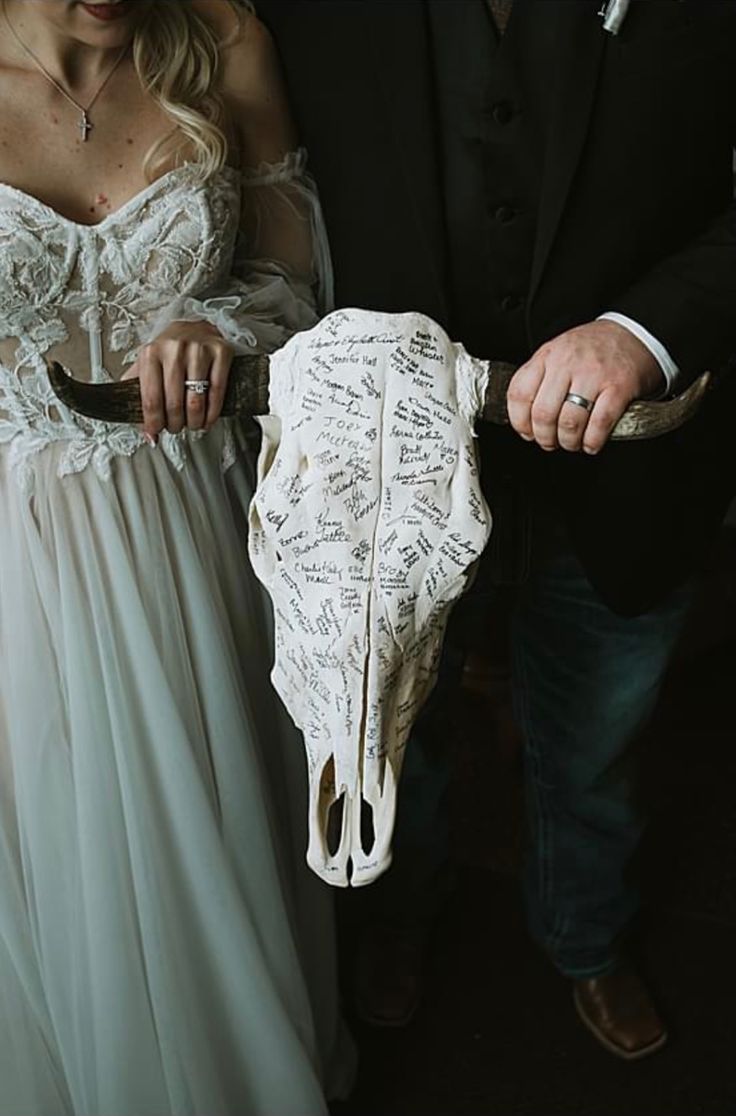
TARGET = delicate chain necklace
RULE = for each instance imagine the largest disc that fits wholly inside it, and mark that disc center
(85, 125)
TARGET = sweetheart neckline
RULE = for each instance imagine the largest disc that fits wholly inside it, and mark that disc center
(132, 202)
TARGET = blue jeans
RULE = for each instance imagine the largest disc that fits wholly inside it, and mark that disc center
(585, 681)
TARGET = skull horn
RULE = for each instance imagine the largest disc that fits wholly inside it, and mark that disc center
(247, 394)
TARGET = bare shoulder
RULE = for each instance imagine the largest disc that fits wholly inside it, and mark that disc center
(223, 16)
(251, 81)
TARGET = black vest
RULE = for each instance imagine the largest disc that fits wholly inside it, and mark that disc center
(491, 168)
(491, 173)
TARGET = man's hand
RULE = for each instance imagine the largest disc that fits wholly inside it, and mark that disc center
(604, 363)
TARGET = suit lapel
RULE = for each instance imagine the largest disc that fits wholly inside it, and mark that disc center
(580, 40)
(403, 66)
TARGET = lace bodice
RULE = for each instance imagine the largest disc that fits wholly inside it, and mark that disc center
(90, 295)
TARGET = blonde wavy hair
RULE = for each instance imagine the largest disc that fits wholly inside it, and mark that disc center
(177, 57)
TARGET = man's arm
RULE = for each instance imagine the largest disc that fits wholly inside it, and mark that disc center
(687, 303)
(663, 357)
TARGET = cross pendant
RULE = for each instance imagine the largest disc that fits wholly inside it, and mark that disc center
(85, 127)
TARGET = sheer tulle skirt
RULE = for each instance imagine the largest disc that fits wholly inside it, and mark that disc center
(163, 950)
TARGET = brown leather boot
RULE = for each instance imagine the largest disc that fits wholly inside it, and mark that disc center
(618, 1010)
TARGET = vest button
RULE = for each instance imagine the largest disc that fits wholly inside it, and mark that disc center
(502, 112)
(510, 302)
(504, 214)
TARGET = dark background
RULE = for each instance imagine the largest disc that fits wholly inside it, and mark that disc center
(497, 1034)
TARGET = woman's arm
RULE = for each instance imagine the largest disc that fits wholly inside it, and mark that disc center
(281, 269)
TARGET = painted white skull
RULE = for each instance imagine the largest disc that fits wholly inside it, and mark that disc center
(366, 523)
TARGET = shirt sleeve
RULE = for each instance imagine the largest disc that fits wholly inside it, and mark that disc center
(669, 368)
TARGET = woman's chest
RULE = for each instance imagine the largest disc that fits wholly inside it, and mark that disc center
(82, 164)
(175, 236)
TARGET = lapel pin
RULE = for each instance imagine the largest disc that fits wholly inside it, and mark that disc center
(613, 14)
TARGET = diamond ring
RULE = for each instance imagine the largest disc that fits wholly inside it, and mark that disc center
(197, 387)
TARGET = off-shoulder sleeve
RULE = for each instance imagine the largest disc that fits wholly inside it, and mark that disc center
(282, 228)
(281, 279)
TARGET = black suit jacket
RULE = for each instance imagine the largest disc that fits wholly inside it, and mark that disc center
(635, 135)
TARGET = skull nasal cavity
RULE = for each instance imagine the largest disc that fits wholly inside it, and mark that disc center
(333, 830)
(367, 829)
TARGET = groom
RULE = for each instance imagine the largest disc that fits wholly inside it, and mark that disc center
(561, 198)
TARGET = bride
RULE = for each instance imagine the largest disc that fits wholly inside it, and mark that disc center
(162, 949)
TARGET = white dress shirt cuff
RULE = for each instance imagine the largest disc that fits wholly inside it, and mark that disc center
(656, 348)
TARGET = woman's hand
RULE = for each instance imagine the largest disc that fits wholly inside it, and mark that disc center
(184, 351)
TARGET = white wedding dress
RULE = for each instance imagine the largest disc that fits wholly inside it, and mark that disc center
(163, 948)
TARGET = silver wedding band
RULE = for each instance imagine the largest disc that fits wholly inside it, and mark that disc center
(197, 387)
(579, 401)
